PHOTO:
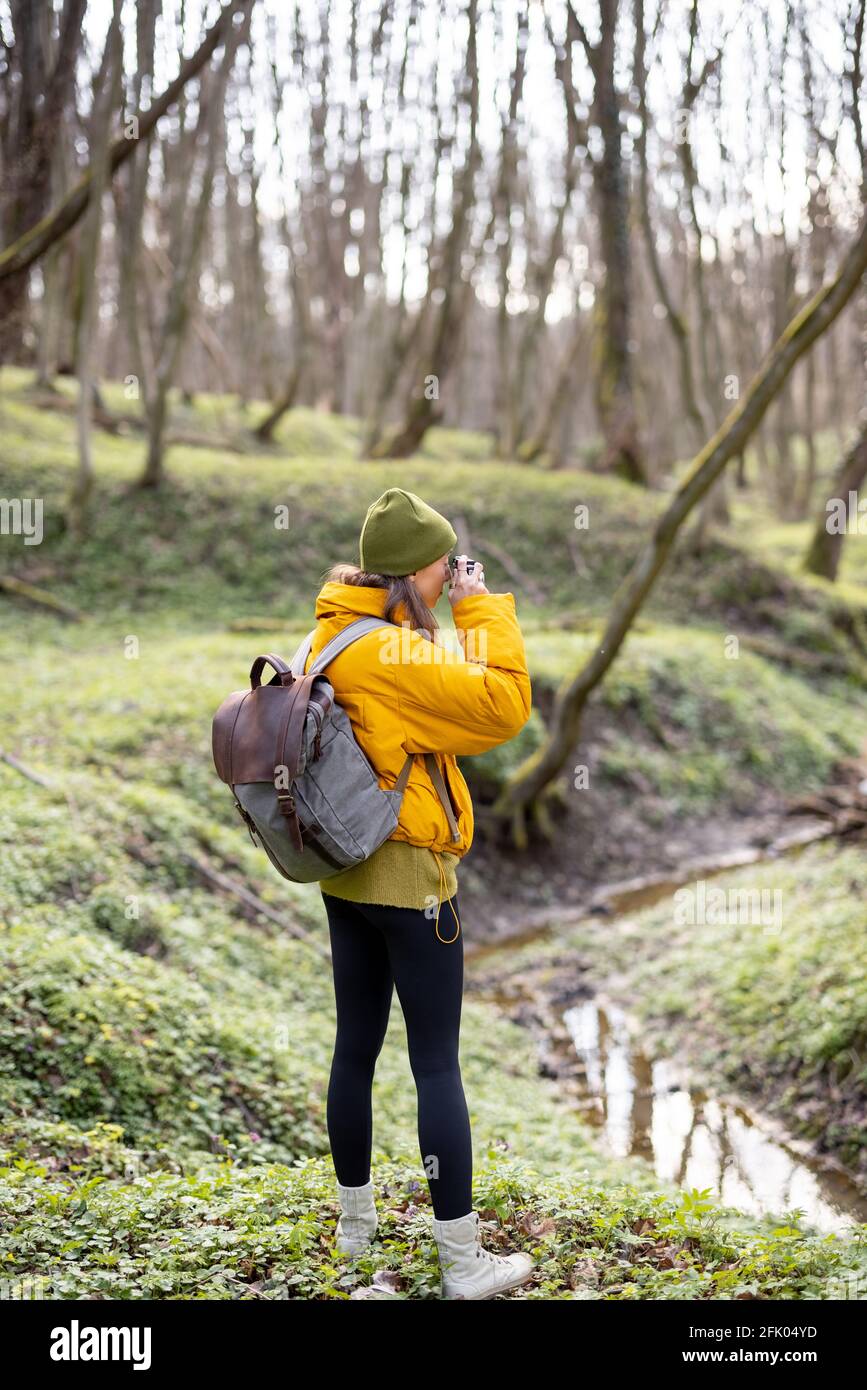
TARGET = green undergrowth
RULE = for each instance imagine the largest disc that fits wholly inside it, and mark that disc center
(91, 1221)
(678, 719)
(165, 1047)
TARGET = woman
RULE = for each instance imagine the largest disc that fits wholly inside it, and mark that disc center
(406, 692)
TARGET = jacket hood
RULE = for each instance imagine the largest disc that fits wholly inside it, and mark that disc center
(347, 601)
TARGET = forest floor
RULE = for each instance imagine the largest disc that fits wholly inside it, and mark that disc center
(166, 1046)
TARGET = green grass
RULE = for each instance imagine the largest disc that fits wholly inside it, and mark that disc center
(219, 508)
(164, 1057)
(784, 543)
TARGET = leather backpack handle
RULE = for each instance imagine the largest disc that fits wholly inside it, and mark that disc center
(279, 665)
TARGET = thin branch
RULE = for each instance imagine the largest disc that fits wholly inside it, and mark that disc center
(37, 240)
(12, 761)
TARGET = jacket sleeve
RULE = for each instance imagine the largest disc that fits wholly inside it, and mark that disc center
(465, 704)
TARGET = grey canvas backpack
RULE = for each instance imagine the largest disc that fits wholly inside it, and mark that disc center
(303, 786)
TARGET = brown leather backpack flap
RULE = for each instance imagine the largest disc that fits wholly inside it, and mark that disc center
(221, 733)
(252, 726)
(245, 730)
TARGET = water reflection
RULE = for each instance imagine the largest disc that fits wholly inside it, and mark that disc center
(691, 1138)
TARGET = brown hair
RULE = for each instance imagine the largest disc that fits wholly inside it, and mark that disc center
(400, 590)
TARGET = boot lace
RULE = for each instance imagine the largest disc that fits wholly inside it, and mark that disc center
(482, 1254)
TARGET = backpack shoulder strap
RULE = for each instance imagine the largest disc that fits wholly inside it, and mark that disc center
(440, 787)
(299, 660)
(343, 639)
(442, 792)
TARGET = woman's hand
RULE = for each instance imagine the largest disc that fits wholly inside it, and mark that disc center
(463, 585)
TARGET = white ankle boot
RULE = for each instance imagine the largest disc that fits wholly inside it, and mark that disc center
(357, 1224)
(469, 1271)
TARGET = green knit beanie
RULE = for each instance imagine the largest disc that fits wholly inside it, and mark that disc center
(402, 534)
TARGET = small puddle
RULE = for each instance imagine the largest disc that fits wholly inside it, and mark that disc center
(690, 1137)
(651, 1108)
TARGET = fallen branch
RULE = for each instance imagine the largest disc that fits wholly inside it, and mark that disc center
(195, 439)
(830, 662)
(465, 546)
(258, 625)
(118, 424)
(106, 420)
(513, 569)
(40, 597)
(12, 761)
(253, 901)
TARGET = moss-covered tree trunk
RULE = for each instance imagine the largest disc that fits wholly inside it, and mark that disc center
(530, 781)
(826, 546)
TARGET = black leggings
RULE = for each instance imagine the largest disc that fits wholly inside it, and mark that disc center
(374, 948)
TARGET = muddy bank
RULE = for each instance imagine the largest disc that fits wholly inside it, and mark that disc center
(514, 897)
(614, 832)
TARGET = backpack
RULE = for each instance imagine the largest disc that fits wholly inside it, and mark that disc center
(301, 783)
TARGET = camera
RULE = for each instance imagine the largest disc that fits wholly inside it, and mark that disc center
(471, 564)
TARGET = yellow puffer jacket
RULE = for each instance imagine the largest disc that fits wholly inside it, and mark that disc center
(404, 694)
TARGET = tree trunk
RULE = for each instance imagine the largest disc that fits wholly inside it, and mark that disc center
(40, 87)
(422, 411)
(265, 430)
(107, 91)
(210, 119)
(531, 779)
(556, 398)
(826, 547)
(674, 318)
(614, 387)
(35, 234)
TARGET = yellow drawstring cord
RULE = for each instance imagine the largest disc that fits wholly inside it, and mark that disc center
(440, 903)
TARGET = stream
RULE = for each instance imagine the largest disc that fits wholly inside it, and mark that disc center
(694, 1138)
(654, 1109)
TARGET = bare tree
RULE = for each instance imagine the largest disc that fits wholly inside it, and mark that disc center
(445, 305)
(525, 789)
(826, 547)
(615, 398)
(26, 150)
(188, 214)
(106, 101)
(38, 87)
(674, 317)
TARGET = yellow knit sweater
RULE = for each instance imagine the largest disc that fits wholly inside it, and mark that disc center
(399, 874)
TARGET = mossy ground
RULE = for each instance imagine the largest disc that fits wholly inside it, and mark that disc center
(165, 1056)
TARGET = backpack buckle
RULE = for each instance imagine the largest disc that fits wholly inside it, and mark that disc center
(248, 821)
(286, 802)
